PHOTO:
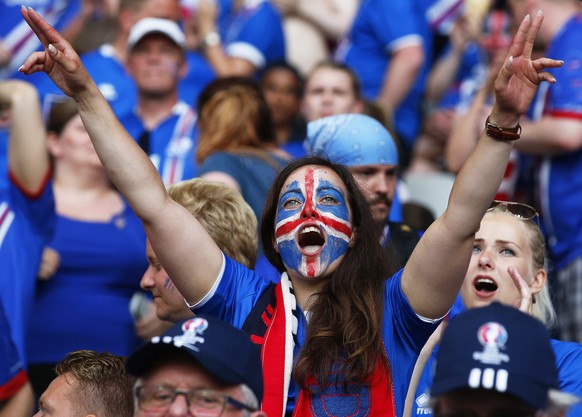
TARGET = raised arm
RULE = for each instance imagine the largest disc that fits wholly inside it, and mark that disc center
(28, 159)
(187, 252)
(434, 274)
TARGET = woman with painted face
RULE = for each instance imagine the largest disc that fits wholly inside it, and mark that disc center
(337, 337)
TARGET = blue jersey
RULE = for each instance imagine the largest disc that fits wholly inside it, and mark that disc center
(26, 225)
(3, 159)
(12, 373)
(110, 75)
(254, 33)
(560, 179)
(85, 304)
(380, 28)
(404, 333)
(19, 39)
(172, 144)
(198, 75)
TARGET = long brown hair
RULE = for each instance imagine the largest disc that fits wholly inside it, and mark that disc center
(233, 114)
(345, 327)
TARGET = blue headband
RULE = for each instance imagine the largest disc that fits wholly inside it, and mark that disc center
(351, 139)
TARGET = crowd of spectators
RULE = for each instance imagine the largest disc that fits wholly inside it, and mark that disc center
(164, 163)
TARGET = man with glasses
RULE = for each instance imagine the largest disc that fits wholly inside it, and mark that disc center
(497, 361)
(203, 367)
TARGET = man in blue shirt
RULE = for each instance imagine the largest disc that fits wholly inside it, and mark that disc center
(242, 39)
(163, 125)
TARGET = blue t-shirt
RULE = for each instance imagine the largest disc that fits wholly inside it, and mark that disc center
(11, 366)
(254, 33)
(198, 75)
(404, 333)
(172, 144)
(26, 225)
(85, 304)
(560, 175)
(380, 28)
(3, 159)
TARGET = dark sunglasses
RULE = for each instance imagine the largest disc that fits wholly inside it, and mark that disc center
(519, 210)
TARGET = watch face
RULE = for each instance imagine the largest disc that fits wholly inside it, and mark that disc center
(211, 39)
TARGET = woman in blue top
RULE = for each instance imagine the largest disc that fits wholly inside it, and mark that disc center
(96, 257)
(508, 266)
(359, 334)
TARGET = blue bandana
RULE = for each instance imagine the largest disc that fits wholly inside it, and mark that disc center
(351, 139)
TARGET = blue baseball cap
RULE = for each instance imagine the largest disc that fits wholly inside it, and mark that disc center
(497, 348)
(351, 140)
(222, 350)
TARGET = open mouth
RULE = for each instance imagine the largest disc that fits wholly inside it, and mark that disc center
(485, 286)
(310, 240)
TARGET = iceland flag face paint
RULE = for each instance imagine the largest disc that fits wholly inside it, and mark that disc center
(313, 227)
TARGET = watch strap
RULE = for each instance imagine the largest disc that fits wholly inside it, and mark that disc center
(502, 133)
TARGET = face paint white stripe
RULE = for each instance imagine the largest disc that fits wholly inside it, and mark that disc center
(332, 232)
(287, 220)
(338, 219)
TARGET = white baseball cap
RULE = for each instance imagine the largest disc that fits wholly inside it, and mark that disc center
(151, 25)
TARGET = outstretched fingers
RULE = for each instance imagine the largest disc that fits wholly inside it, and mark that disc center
(517, 44)
(543, 63)
(59, 60)
(36, 24)
(532, 33)
(42, 29)
(36, 62)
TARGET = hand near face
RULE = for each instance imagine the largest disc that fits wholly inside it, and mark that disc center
(59, 60)
(524, 303)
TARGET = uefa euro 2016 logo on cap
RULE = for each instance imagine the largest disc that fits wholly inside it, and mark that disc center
(493, 338)
(193, 331)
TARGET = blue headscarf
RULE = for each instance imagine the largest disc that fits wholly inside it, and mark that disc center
(351, 139)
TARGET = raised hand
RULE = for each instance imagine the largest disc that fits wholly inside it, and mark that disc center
(59, 60)
(518, 80)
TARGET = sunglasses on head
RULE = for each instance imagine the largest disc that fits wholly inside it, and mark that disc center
(519, 210)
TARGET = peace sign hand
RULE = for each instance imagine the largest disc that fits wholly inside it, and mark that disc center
(518, 80)
(59, 60)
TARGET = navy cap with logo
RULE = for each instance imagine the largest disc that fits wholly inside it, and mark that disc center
(498, 348)
(222, 350)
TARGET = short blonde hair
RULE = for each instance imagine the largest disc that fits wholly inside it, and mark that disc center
(225, 215)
